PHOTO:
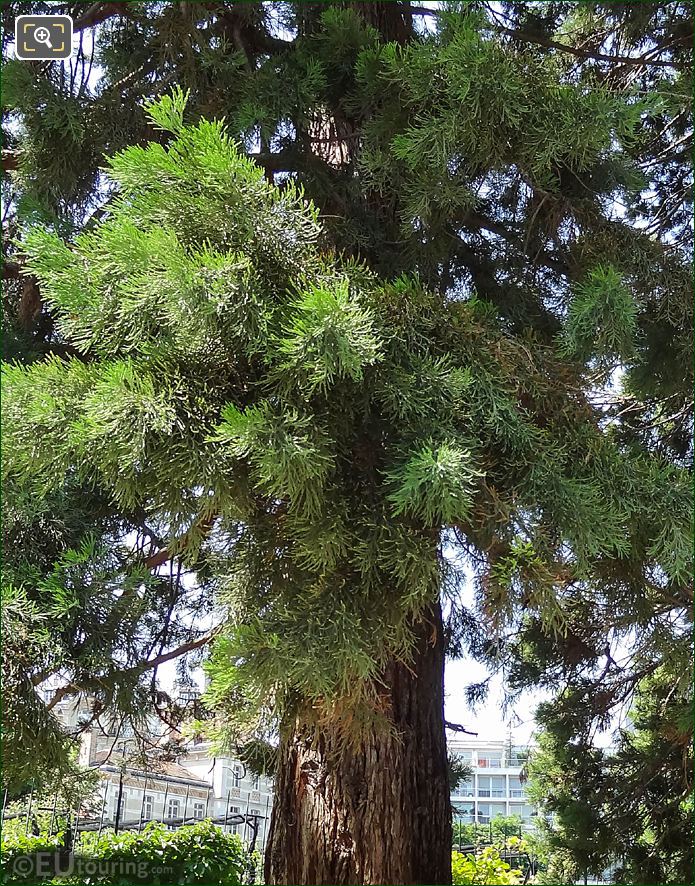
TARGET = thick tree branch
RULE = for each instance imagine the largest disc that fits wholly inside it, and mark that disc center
(158, 660)
(456, 727)
(61, 693)
(11, 270)
(159, 558)
(10, 160)
(141, 668)
(527, 37)
(98, 13)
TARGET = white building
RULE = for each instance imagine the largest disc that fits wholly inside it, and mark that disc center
(495, 787)
(174, 779)
(234, 789)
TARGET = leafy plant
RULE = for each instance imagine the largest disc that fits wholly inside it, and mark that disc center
(199, 853)
(485, 867)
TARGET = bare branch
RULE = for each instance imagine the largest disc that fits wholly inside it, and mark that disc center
(140, 668)
(159, 558)
(456, 727)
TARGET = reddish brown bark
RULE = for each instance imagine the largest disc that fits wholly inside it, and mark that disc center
(378, 813)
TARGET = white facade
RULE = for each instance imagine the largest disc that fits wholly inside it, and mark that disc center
(496, 787)
(198, 786)
(190, 786)
(234, 789)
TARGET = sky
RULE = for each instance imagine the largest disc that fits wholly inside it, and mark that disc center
(487, 719)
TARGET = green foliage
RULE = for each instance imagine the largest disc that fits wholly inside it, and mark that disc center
(329, 337)
(199, 853)
(602, 318)
(289, 457)
(238, 372)
(436, 484)
(15, 847)
(459, 771)
(500, 830)
(251, 391)
(63, 573)
(486, 867)
(628, 806)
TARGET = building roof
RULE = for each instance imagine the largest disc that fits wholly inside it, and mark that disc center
(155, 768)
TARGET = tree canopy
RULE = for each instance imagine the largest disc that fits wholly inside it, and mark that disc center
(426, 286)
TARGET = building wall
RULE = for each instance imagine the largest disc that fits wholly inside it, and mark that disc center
(234, 788)
(157, 797)
(495, 787)
(225, 787)
(149, 798)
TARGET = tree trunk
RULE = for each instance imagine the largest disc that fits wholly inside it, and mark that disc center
(377, 813)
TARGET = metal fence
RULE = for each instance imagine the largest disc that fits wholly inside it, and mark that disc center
(72, 823)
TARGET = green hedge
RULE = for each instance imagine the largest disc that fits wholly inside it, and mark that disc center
(199, 853)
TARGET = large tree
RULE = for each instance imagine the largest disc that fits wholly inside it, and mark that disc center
(308, 410)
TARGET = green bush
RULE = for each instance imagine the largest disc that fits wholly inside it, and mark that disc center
(484, 868)
(16, 848)
(199, 853)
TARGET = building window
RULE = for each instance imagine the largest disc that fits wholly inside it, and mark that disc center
(148, 807)
(199, 810)
(515, 788)
(483, 813)
(234, 776)
(465, 788)
(490, 762)
(497, 785)
(465, 813)
(173, 808)
(256, 783)
(234, 810)
(124, 800)
(526, 813)
(483, 785)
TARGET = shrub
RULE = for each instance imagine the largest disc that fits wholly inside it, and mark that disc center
(199, 853)
(484, 868)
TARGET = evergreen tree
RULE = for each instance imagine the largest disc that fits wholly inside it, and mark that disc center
(304, 407)
(629, 807)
